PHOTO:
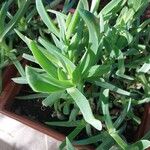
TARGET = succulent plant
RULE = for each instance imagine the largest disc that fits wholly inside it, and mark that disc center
(95, 61)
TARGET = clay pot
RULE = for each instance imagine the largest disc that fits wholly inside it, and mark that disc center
(11, 90)
(6, 100)
(145, 124)
(9, 72)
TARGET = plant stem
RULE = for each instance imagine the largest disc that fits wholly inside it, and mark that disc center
(144, 81)
(108, 121)
(119, 140)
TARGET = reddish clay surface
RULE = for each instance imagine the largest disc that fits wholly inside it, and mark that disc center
(9, 73)
(145, 125)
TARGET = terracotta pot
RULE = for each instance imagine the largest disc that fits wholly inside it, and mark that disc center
(6, 100)
(12, 89)
(145, 124)
(9, 72)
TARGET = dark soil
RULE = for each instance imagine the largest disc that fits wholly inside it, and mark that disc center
(34, 110)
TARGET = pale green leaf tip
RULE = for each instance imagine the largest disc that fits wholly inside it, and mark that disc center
(97, 124)
(24, 38)
(1, 40)
(27, 69)
(44, 104)
(13, 79)
(93, 122)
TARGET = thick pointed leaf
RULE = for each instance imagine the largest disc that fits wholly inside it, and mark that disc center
(94, 6)
(61, 23)
(29, 57)
(93, 28)
(123, 114)
(68, 20)
(45, 17)
(112, 5)
(111, 87)
(40, 83)
(57, 42)
(145, 68)
(74, 20)
(42, 60)
(69, 146)
(50, 100)
(85, 108)
(53, 50)
(124, 76)
(140, 145)
(142, 26)
(15, 19)
(93, 139)
(98, 70)
(87, 60)
(104, 96)
(20, 80)
(73, 134)
(101, 23)
(17, 64)
(64, 123)
(3, 14)
(74, 113)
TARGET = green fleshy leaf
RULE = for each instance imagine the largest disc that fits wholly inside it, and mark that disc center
(15, 19)
(50, 100)
(85, 108)
(69, 146)
(41, 83)
(111, 87)
(45, 17)
(92, 24)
